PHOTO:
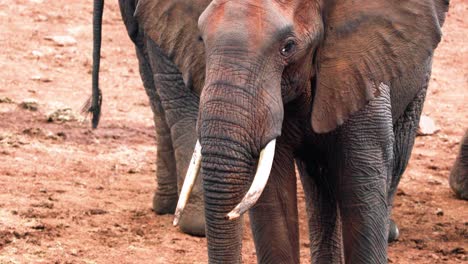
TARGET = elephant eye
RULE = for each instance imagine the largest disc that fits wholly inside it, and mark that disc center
(289, 48)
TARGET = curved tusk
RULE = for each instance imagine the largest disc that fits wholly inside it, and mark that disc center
(190, 178)
(260, 180)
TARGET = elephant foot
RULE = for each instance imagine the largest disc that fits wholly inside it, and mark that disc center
(458, 179)
(192, 221)
(393, 232)
(164, 205)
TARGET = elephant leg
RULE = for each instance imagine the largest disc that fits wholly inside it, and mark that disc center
(364, 216)
(165, 197)
(459, 175)
(273, 219)
(365, 152)
(322, 210)
(404, 129)
(180, 106)
(184, 138)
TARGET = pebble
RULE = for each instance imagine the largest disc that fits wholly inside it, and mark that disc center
(37, 53)
(6, 100)
(427, 126)
(62, 115)
(62, 40)
(30, 104)
(41, 78)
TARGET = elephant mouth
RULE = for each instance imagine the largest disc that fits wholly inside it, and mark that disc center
(259, 182)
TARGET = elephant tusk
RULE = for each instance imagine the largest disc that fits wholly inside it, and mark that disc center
(260, 180)
(190, 178)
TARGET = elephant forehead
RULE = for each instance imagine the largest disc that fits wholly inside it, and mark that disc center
(252, 22)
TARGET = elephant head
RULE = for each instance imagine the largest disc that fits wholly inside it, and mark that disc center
(330, 56)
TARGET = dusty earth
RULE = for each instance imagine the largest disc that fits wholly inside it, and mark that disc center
(69, 194)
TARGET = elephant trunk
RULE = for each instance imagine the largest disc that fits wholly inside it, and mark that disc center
(227, 165)
(235, 123)
(226, 177)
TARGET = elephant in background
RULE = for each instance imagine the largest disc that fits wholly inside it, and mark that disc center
(459, 175)
(172, 76)
(336, 87)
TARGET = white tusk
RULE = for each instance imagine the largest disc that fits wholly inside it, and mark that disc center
(190, 178)
(259, 182)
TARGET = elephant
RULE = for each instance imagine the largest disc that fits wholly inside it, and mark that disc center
(458, 178)
(334, 89)
(174, 100)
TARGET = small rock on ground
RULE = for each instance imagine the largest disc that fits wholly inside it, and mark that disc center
(62, 40)
(30, 104)
(62, 115)
(427, 126)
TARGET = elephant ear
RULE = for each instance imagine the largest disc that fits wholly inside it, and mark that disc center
(366, 44)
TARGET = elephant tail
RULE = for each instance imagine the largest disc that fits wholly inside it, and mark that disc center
(93, 104)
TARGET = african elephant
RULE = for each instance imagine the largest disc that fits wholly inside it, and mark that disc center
(174, 101)
(337, 88)
(459, 175)
(334, 87)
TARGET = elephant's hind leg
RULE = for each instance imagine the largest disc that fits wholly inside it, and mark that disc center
(180, 106)
(405, 132)
(165, 197)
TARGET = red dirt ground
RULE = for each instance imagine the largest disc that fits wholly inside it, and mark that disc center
(73, 195)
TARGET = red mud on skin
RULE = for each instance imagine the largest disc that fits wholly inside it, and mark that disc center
(72, 195)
